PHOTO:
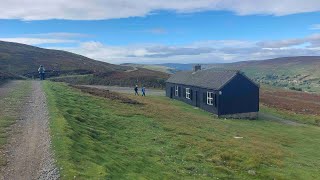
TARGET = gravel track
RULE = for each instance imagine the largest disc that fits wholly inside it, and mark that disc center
(28, 150)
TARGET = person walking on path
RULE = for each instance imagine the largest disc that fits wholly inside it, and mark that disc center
(41, 71)
(136, 90)
(143, 90)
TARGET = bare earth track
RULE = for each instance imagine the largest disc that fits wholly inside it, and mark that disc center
(28, 150)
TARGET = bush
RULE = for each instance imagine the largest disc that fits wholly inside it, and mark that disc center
(295, 89)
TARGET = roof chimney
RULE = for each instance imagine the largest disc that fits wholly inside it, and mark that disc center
(196, 67)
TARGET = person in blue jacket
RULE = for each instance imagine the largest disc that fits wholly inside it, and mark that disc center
(143, 90)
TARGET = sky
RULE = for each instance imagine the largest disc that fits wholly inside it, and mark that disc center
(166, 31)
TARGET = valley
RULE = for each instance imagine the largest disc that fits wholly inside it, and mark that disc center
(296, 73)
(100, 130)
(159, 90)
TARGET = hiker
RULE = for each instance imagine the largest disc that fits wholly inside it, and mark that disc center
(41, 71)
(136, 90)
(143, 90)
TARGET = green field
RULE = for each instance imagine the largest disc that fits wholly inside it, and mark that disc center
(97, 138)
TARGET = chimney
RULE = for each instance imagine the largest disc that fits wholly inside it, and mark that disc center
(196, 68)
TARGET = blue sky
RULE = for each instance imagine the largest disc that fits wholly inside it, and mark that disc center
(176, 31)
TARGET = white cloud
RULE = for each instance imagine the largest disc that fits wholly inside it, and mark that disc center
(59, 35)
(111, 9)
(203, 51)
(206, 52)
(157, 31)
(114, 54)
(224, 43)
(315, 27)
(47, 38)
(313, 40)
(37, 41)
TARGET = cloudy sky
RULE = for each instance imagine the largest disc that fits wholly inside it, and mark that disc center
(161, 31)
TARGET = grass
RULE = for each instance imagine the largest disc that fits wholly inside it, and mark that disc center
(97, 138)
(9, 105)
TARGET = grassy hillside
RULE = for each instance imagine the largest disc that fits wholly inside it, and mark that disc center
(139, 76)
(154, 67)
(297, 73)
(99, 138)
(23, 59)
(300, 73)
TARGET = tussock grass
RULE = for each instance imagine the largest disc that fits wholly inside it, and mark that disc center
(98, 138)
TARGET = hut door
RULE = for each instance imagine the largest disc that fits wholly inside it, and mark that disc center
(197, 99)
(171, 92)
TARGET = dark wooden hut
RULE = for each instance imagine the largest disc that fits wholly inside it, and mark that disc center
(227, 93)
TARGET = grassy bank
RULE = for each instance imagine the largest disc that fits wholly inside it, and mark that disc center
(8, 112)
(97, 138)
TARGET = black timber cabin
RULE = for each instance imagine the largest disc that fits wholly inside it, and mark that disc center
(226, 93)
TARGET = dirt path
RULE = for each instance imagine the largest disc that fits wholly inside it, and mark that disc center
(270, 117)
(28, 150)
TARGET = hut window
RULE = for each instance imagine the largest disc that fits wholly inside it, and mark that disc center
(210, 98)
(176, 91)
(188, 93)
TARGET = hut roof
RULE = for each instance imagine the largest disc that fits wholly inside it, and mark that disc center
(208, 78)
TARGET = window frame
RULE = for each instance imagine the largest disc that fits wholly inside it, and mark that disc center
(210, 97)
(176, 90)
(188, 93)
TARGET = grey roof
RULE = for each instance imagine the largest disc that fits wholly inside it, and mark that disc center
(209, 78)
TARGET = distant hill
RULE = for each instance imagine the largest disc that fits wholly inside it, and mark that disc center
(154, 67)
(177, 66)
(298, 73)
(169, 68)
(24, 60)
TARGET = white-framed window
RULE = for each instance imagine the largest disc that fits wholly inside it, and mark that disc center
(176, 92)
(188, 93)
(210, 98)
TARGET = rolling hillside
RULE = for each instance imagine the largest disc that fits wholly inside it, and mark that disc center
(24, 60)
(154, 67)
(297, 73)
